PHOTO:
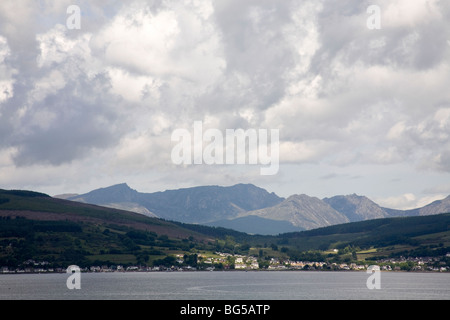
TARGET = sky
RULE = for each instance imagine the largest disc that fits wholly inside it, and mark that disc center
(360, 98)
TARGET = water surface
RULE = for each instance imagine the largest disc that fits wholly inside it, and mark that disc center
(235, 285)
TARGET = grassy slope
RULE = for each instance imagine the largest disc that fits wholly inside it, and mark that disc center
(36, 226)
(37, 206)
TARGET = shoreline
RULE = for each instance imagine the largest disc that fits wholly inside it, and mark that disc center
(221, 271)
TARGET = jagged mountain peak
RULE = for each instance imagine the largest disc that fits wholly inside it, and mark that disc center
(119, 186)
(356, 207)
(302, 211)
(119, 192)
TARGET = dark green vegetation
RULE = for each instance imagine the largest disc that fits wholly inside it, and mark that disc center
(372, 240)
(379, 238)
(34, 226)
(38, 227)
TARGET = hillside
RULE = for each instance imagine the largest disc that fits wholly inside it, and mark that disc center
(36, 227)
(256, 225)
(37, 206)
(371, 240)
(380, 238)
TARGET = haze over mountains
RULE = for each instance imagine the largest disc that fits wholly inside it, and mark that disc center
(248, 208)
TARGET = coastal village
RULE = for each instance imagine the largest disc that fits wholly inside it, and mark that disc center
(229, 262)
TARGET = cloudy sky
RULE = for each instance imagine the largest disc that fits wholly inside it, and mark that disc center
(359, 110)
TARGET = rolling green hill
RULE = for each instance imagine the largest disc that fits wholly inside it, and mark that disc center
(37, 206)
(38, 227)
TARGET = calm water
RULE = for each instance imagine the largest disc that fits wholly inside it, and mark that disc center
(227, 286)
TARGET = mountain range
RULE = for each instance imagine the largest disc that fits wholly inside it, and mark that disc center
(190, 205)
(248, 208)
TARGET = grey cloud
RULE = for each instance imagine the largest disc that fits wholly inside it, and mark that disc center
(442, 161)
(79, 123)
(345, 37)
(255, 46)
(64, 123)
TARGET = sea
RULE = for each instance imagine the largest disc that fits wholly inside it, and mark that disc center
(227, 285)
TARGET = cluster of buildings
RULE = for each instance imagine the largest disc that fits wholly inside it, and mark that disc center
(228, 261)
(276, 264)
(240, 262)
(434, 264)
(31, 266)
